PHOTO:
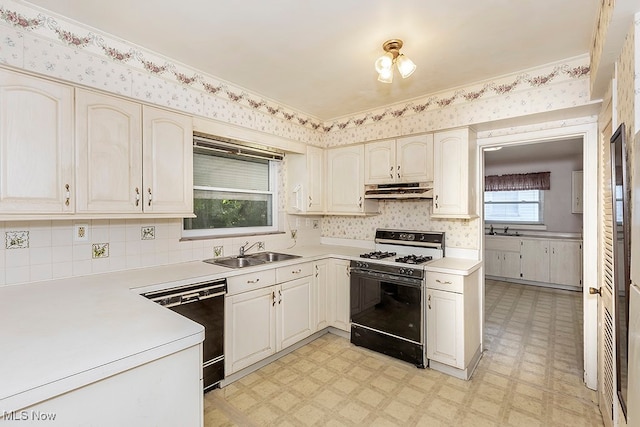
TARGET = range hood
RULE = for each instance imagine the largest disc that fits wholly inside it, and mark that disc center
(410, 190)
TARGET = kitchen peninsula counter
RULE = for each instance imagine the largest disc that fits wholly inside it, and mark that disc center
(61, 335)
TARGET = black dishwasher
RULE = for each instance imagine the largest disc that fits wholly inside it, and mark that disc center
(203, 303)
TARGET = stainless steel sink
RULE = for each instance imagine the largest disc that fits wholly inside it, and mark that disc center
(250, 260)
(234, 262)
(271, 256)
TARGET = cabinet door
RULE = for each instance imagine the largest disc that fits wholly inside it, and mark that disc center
(535, 260)
(345, 178)
(445, 322)
(511, 265)
(109, 154)
(320, 282)
(453, 168)
(414, 157)
(492, 262)
(36, 142)
(295, 311)
(340, 293)
(380, 162)
(565, 262)
(250, 328)
(167, 162)
(315, 179)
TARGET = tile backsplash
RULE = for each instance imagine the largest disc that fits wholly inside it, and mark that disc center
(43, 250)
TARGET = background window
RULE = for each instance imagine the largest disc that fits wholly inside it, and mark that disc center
(521, 206)
(232, 193)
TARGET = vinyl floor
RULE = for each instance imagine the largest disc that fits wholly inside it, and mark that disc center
(530, 375)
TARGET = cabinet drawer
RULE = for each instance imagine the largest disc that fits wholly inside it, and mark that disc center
(445, 282)
(284, 274)
(250, 281)
(499, 243)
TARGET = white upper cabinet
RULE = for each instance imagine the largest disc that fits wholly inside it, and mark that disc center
(36, 145)
(306, 181)
(454, 174)
(414, 158)
(167, 163)
(345, 181)
(132, 158)
(407, 159)
(109, 153)
(380, 162)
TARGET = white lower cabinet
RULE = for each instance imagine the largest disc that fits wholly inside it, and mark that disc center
(535, 260)
(453, 322)
(565, 262)
(502, 257)
(339, 290)
(321, 288)
(261, 322)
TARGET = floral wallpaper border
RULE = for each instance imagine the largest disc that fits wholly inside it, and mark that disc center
(192, 78)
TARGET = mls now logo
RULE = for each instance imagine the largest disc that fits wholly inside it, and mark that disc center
(28, 416)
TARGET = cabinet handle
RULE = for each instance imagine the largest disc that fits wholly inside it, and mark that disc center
(67, 194)
(316, 271)
(253, 281)
(348, 272)
(391, 172)
(279, 297)
(443, 283)
(436, 200)
(273, 296)
(137, 196)
(360, 202)
(545, 250)
(398, 171)
(309, 201)
(150, 196)
(429, 301)
(298, 271)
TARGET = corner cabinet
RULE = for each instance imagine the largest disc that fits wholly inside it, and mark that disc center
(454, 174)
(407, 159)
(132, 158)
(345, 182)
(36, 165)
(305, 180)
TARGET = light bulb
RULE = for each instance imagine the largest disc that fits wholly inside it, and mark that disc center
(386, 75)
(385, 62)
(405, 66)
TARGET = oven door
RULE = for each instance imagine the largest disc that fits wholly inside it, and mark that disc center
(388, 304)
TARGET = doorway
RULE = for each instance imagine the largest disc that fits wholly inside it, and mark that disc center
(587, 134)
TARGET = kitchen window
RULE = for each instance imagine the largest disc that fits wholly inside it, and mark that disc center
(520, 206)
(234, 190)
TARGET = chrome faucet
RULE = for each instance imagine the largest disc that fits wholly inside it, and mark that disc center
(506, 230)
(244, 247)
(491, 232)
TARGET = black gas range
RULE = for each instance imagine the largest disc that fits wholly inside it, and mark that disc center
(387, 293)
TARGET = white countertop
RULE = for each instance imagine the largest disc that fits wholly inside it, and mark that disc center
(60, 335)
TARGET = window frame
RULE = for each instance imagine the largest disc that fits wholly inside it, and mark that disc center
(238, 231)
(540, 204)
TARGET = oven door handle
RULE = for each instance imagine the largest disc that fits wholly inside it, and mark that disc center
(407, 281)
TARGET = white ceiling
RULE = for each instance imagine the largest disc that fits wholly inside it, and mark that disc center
(538, 152)
(317, 56)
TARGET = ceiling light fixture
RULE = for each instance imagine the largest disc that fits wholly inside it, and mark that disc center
(384, 64)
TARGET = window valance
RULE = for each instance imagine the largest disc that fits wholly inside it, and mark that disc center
(515, 182)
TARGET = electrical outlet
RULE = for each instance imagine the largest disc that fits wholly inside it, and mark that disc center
(81, 232)
(294, 233)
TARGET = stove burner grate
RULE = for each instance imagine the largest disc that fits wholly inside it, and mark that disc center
(414, 259)
(378, 255)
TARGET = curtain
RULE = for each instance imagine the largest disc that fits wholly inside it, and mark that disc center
(521, 181)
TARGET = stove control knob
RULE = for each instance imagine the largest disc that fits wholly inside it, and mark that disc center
(362, 264)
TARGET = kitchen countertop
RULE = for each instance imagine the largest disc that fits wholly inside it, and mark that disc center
(63, 334)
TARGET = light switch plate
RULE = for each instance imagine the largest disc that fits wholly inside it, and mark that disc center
(81, 233)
